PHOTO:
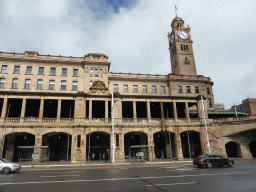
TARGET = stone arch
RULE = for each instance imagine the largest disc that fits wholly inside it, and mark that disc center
(164, 144)
(15, 139)
(191, 145)
(59, 144)
(233, 149)
(98, 146)
(134, 138)
(252, 146)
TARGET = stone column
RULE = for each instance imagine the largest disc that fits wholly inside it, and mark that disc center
(148, 111)
(178, 145)
(187, 112)
(42, 153)
(162, 110)
(106, 111)
(41, 110)
(73, 146)
(151, 151)
(10, 146)
(4, 108)
(121, 155)
(175, 111)
(90, 110)
(23, 108)
(59, 110)
(134, 112)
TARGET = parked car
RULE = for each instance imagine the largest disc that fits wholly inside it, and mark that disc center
(210, 160)
(7, 167)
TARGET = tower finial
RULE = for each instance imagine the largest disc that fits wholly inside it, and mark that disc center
(176, 9)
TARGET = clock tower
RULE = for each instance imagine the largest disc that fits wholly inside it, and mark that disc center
(181, 51)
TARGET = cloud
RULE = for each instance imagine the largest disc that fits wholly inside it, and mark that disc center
(135, 37)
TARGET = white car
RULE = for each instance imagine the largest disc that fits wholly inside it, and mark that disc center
(7, 167)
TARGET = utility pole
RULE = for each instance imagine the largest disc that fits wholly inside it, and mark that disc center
(209, 148)
(113, 142)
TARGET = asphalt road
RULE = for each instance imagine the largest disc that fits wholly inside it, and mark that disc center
(171, 177)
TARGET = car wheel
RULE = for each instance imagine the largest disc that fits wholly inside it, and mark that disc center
(199, 166)
(6, 170)
(230, 164)
(208, 164)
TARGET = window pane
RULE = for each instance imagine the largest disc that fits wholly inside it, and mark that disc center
(96, 72)
(135, 88)
(74, 86)
(188, 89)
(17, 69)
(27, 83)
(91, 72)
(2, 82)
(4, 69)
(196, 89)
(145, 89)
(153, 89)
(63, 85)
(52, 71)
(162, 89)
(51, 85)
(39, 84)
(64, 71)
(15, 83)
(179, 89)
(125, 88)
(75, 72)
(91, 83)
(100, 72)
(29, 70)
(208, 90)
(210, 102)
(41, 71)
(115, 87)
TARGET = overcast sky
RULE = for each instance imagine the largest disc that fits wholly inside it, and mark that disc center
(134, 36)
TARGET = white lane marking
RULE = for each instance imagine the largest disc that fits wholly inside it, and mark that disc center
(62, 176)
(121, 179)
(124, 168)
(171, 184)
(64, 172)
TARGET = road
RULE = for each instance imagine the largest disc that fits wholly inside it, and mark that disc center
(171, 177)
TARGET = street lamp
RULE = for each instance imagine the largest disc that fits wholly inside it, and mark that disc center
(113, 142)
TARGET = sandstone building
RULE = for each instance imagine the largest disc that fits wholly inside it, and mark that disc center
(65, 103)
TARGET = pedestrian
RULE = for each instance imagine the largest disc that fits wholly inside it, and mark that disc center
(100, 157)
(128, 155)
(93, 156)
(103, 157)
(193, 154)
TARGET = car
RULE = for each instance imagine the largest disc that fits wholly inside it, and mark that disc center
(210, 160)
(7, 167)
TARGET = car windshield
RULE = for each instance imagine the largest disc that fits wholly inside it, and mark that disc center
(4, 160)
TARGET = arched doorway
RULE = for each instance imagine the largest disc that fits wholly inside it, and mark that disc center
(13, 141)
(133, 139)
(252, 146)
(164, 145)
(193, 138)
(58, 144)
(232, 149)
(98, 143)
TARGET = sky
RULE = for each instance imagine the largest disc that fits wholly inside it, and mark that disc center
(133, 34)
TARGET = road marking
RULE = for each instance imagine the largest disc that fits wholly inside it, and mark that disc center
(124, 168)
(122, 179)
(62, 176)
(171, 184)
(64, 172)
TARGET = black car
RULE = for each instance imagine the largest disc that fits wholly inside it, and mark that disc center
(212, 159)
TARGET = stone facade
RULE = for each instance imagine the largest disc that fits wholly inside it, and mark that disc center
(65, 103)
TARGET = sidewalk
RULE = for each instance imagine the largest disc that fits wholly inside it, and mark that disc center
(54, 164)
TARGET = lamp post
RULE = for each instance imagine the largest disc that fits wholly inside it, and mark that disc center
(113, 142)
(209, 148)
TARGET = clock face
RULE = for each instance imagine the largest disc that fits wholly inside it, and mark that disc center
(183, 35)
(172, 38)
